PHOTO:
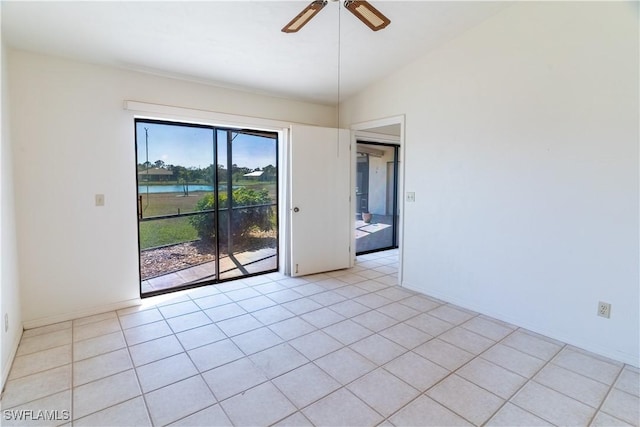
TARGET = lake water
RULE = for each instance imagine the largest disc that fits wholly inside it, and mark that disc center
(142, 189)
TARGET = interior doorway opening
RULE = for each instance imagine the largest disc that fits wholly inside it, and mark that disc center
(376, 222)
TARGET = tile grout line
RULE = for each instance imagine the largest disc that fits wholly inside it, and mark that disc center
(599, 358)
(450, 374)
(345, 386)
(135, 372)
(454, 372)
(606, 396)
(531, 379)
(110, 375)
(126, 344)
(34, 373)
(157, 307)
(73, 389)
(199, 373)
(528, 380)
(270, 380)
(228, 337)
(420, 393)
(374, 333)
(550, 362)
(320, 329)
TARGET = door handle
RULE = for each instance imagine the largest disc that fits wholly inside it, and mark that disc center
(296, 209)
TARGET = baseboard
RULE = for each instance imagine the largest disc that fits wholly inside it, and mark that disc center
(7, 364)
(629, 359)
(49, 320)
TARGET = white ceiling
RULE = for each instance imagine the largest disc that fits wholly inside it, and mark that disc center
(239, 44)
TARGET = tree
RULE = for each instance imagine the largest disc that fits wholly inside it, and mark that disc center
(239, 172)
(244, 220)
(269, 173)
(222, 173)
(206, 174)
(159, 164)
(196, 173)
(184, 177)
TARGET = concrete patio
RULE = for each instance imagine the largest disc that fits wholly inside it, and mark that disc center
(377, 234)
(235, 265)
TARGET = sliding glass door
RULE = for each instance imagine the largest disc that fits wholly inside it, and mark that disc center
(207, 204)
(376, 197)
(248, 227)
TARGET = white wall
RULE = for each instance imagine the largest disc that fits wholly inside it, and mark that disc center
(522, 149)
(378, 181)
(72, 139)
(9, 289)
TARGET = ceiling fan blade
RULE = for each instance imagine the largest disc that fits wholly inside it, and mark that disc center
(304, 16)
(368, 14)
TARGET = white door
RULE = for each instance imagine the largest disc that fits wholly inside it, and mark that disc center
(320, 206)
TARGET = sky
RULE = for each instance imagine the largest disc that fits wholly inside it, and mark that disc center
(193, 147)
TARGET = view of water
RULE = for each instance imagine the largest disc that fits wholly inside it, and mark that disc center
(142, 189)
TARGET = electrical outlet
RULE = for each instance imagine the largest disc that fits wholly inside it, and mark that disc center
(99, 199)
(604, 309)
(6, 322)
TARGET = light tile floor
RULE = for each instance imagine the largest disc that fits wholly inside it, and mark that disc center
(342, 348)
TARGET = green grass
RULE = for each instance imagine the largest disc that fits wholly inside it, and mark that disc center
(166, 232)
(177, 230)
(169, 203)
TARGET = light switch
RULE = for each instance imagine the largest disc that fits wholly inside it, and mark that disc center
(411, 196)
(99, 199)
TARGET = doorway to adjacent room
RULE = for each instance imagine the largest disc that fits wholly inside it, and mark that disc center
(376, 197)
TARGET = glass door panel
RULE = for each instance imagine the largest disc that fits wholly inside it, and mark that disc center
(362, 183)
(174, 180)
(248, 227)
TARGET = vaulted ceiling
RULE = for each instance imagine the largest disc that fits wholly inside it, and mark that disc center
(238, 44)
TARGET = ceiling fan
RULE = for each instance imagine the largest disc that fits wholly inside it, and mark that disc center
(363, 10)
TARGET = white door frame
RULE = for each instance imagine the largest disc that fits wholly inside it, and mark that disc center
(366, 130)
